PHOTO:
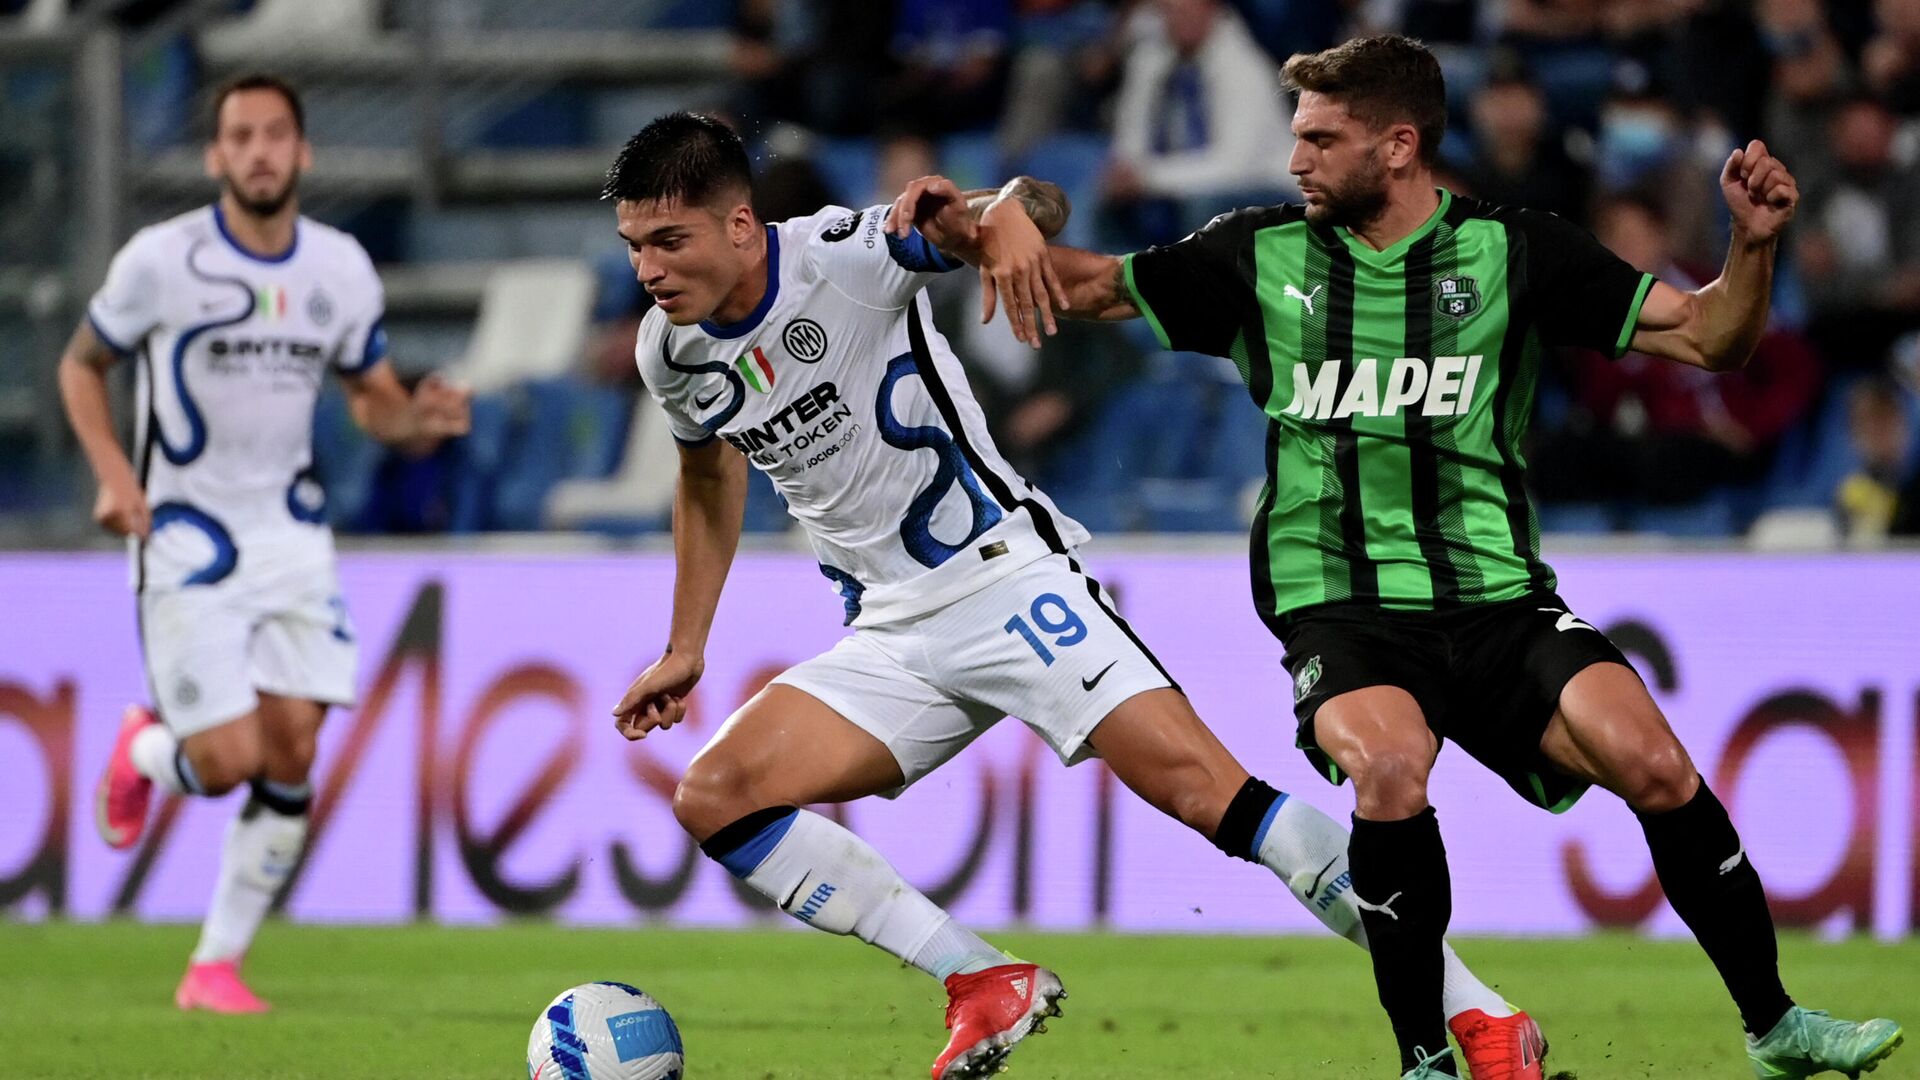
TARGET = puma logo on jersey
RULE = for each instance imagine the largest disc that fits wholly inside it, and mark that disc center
(1568, 621)
(1306, 299)
(1440, 387)
(1731, 864)
(1381, 909)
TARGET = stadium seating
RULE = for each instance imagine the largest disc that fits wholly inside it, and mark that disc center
(533, 324)
(636, 495)
(570, 430)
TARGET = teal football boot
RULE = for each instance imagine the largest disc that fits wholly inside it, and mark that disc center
(1807, 1043)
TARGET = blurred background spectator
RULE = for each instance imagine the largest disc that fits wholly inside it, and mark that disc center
(1199, 123)
(1645, 430)
(953, 57)
(1516, 159)
(461, 140)
(1882, 496)
(1859, 244)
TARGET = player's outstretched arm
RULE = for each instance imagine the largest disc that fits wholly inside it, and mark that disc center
(121, 506)
(1002, 231)
(436, 410)
(1079, 285)
(709, 504)
(949, 218)
(1717, 326)
(1094, 285)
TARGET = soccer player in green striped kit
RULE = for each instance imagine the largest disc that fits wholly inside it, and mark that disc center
(1392, 332)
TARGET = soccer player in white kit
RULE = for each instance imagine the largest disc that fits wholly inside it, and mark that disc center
(804, 348)
(234, 313)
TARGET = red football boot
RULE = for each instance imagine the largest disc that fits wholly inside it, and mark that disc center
(989, 1012)
(1500, 1047)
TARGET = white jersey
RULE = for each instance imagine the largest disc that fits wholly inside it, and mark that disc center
(839, 389)
(233, 348)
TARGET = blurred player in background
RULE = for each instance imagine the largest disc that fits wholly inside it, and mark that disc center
(1392, 333)
(234, 312)
(804, 347)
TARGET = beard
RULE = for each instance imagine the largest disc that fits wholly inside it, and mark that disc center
(1357, 201)
(264, 205)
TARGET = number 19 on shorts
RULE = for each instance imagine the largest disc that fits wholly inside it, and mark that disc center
(1055, 620)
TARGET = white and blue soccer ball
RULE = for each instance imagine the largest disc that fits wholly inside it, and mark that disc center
(605, 1031)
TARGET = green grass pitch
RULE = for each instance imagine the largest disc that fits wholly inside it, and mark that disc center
(445, 1004)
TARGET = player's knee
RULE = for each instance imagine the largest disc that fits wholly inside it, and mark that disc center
(1390, 783)
(1199, 803)
(221, 768)
(713, 793)
(293, 759)
(1663, 779)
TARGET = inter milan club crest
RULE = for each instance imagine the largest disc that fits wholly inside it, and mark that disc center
(805, 340)
(1456, 297)
(319, 308)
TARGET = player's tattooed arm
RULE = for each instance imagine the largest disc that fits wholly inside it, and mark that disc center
(950, 218)
(1095, 285)
(1045, 204)
(121, 506)
(998, 232)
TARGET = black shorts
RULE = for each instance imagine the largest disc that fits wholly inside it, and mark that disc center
(1487, 676)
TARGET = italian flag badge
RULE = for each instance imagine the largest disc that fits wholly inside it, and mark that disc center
(756, 370)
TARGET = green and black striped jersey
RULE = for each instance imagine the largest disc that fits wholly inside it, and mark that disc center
(1397, 385)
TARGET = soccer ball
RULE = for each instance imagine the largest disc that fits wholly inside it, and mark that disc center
(604, 1031)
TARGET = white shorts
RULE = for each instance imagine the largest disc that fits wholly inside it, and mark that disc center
(210, 649)
(1043, 644)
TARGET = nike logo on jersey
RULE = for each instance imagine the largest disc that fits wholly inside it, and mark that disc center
(1440, 387)
(1313, 890)
(1567, 620)
(1089, 684)
(702, 402)
(1306, 299)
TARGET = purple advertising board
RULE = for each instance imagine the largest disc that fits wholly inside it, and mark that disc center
(481, 776)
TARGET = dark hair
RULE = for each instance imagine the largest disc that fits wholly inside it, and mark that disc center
(257, 80)
(1382, 80)
(683, 156)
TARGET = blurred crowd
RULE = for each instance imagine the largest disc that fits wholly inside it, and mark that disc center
(1157, 114)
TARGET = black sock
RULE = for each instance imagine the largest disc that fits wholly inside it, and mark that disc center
(1713, 887)
(287, 800)
(1406, 898)
(1245, 823)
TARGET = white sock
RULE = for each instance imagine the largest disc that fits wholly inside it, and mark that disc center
(955, 950)
(832, 880)
(1308, 850)
(153, 751)
(261, 849)
(1464, 990)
